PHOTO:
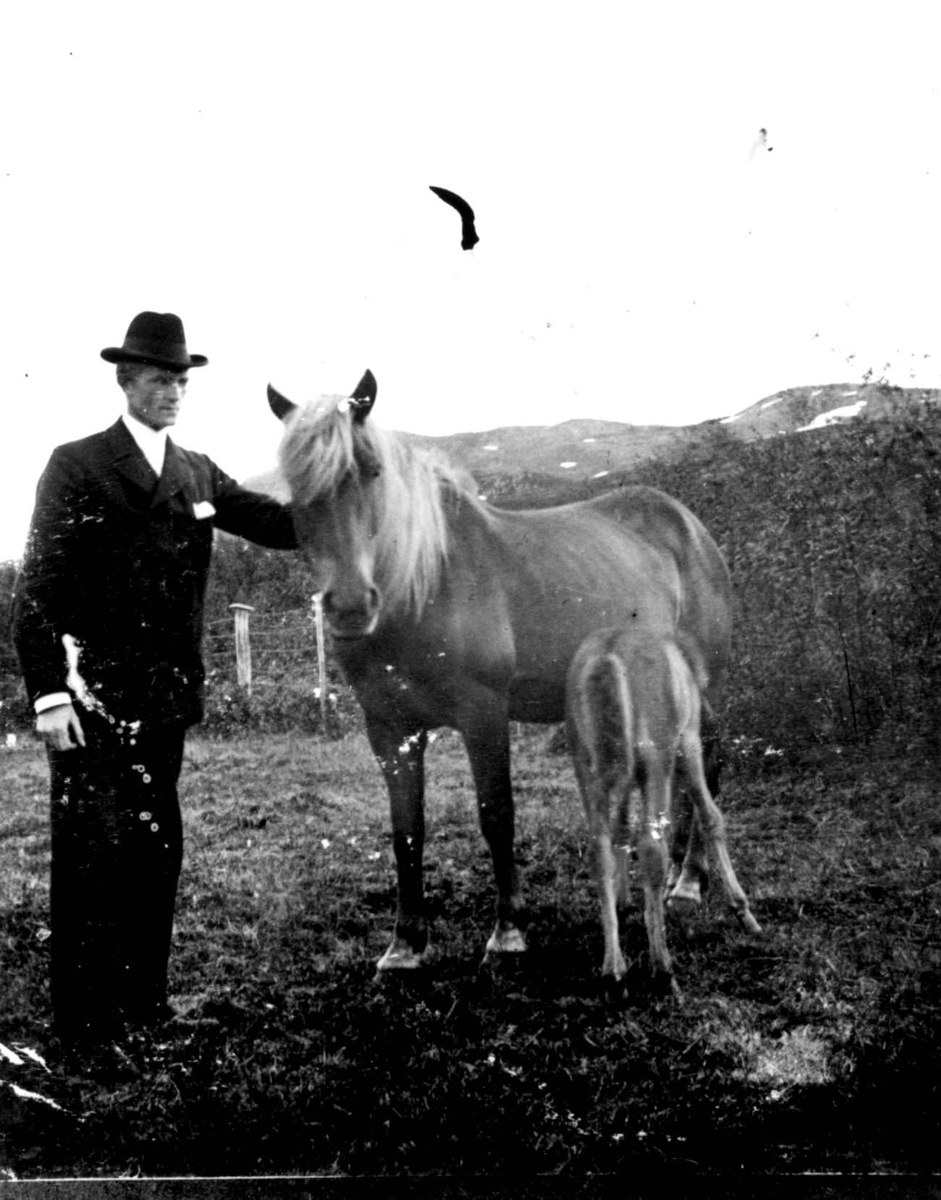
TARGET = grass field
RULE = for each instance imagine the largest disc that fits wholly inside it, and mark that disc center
(812, 1047)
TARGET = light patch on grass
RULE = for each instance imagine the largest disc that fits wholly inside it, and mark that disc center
(799, 1057)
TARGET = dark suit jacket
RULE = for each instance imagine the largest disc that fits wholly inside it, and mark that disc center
(120, 560)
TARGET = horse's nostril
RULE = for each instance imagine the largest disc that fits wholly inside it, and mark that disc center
(340, 603)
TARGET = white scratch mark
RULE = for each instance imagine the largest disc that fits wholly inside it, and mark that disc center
(31, 1054)
(25, 1095)
(76, 683)
(10, 1055)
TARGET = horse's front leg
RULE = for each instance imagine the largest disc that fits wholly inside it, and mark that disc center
(401, 755)
(487, 738)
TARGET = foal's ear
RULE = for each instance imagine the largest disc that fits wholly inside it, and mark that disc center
(279, 405)
(364, 397)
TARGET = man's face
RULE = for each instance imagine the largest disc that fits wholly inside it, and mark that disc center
(154, 396)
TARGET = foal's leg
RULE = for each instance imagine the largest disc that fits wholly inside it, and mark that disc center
(608, 869)
(627, 815)
(652, 863)
(710, 819)
(486, 733)
(401, 756)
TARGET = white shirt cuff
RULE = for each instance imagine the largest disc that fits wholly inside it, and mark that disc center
(53, 700)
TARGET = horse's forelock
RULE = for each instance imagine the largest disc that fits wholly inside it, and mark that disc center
(317, 448)
(321, 445)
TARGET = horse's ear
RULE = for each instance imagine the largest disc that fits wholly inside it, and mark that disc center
(279, 405)
(364, 397)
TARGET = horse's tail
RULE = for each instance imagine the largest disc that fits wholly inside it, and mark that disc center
(605, 720)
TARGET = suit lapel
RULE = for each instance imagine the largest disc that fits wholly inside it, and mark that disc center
(127, 459)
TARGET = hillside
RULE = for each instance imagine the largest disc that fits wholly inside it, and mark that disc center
(583, 449)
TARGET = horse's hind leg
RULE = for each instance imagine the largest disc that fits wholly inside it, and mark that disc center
(690, 854)
(712, 824)
(690, 849)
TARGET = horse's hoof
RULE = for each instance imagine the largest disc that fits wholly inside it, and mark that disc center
(748, 922)
(400, 957)
(506, 941)
(688, 889)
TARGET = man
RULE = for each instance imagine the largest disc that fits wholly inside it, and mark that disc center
(107, 625)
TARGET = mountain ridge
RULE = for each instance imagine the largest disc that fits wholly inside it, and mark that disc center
(582, 448)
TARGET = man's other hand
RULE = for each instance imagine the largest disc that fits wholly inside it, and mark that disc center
(60, 727)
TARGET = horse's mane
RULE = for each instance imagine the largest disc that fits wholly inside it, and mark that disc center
(413, 489)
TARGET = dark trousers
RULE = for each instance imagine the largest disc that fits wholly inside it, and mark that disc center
(117, 848)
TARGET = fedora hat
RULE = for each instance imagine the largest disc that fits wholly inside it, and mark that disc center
(155, 338)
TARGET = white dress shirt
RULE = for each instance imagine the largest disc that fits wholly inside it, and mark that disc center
(152, 442)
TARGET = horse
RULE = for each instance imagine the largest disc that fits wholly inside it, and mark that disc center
(447, 611)
(632, 717)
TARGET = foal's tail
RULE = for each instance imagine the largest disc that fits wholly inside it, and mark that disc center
(604, 720)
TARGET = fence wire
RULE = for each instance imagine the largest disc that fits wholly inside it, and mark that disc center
(283, 646)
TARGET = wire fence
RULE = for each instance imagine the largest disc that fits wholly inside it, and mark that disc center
(271, 669)
(272, 644)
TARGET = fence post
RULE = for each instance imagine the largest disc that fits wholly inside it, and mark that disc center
(243, 648)
(317, 601)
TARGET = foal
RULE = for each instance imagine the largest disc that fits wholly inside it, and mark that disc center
(632, 715)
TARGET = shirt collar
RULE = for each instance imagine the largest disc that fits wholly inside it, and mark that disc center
(152, 442)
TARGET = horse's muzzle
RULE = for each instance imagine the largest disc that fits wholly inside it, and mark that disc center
(349, 618)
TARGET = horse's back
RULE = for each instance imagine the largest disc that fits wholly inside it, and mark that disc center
(703, 630)
(630, 557)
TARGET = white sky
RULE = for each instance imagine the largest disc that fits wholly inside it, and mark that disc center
(263, 170)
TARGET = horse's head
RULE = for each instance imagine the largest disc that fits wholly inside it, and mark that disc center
(332, 469)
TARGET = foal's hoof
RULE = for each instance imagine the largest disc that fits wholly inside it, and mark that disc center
(748, 922)
(663, 986)
(614, 990)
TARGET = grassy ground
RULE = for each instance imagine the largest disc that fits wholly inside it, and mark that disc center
(812, 1047)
